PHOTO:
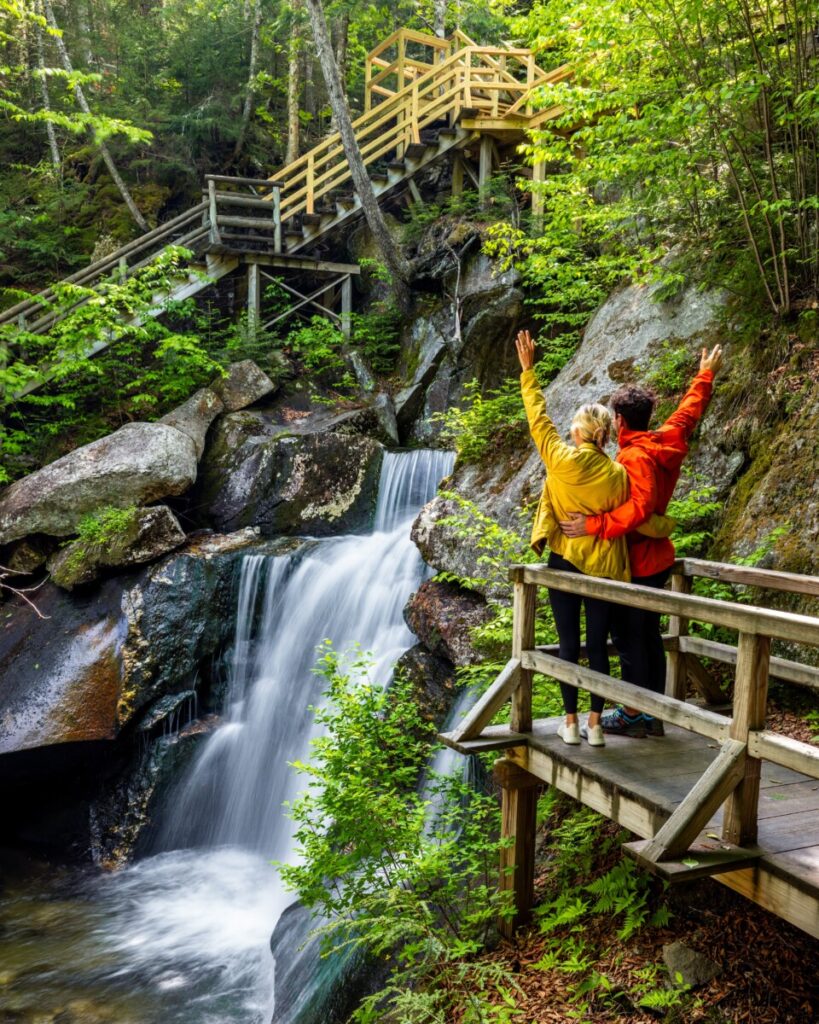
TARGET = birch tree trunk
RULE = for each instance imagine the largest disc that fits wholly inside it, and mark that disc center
(439, 18)
(50, 131)
(397, 265)
(83, 105)
(293, 83)
(253, 70)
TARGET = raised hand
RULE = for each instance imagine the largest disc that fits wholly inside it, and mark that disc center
(525, 345)
(711, 360)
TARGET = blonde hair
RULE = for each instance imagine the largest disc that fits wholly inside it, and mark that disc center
(593, 423)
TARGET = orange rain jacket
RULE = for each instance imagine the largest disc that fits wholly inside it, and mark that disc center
(653, 459)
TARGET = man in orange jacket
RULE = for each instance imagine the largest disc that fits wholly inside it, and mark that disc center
(652, 459)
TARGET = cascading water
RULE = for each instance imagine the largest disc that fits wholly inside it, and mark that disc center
(182, 936)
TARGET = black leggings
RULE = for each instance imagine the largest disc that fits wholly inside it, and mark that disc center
(638, 639)
(566, 610)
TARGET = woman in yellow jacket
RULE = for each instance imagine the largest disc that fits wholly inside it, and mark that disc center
(580, 477)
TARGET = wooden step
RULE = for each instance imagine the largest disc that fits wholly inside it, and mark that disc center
(397, 166)
(379, 177)
(706, 856)
(415, 150)
(311, 220)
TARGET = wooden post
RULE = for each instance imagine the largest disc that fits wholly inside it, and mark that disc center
(311, 182)
(457, 174)
(122, 266)
(277, 221)
(254, 299)
(518, 822)
(484, 166)
(346, 305)
(524, 598)
(676, 672)
(538, 176)
(368, 74)
(739, 824)
(215, 237)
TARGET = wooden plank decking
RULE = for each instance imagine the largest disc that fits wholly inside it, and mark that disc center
(639, 783)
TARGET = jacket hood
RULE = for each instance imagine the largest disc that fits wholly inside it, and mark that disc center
(664, 450)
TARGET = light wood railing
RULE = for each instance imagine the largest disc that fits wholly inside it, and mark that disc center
(733, 776)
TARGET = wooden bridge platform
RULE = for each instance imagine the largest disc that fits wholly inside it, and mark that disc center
(720, 794)
(639, 783)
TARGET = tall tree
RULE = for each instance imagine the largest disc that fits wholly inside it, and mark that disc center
(293, 81)
(439, 24)
(253, 70)
(50, 130)
(397, 265)
(83, 105)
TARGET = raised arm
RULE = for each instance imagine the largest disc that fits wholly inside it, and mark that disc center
(553, 449)
(695, 401)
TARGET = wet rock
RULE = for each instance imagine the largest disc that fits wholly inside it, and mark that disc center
(121, 819)
(25, 556)
(194, 417)
(99, 658)
(244, 384)
(445, 546)
(688, 967)
(408, 403)
(296, 482)
(138, 464)
(432, 678)
(442, 616)
(152, 532)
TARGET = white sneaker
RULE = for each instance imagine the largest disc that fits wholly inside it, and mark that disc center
(594, 734)
(569, 734)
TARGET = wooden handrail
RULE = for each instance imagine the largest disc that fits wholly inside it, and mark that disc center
(769, 622)
(770, 579)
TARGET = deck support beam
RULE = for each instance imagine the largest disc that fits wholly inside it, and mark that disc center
(457, 174)
(518, 823)
(484, 166)
(524, 604)
(254, 299)
(538, 177)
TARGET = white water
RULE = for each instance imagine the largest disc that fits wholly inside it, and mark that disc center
(183, 936)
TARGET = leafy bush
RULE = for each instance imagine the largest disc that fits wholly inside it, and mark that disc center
(390, 879)
(494, 421)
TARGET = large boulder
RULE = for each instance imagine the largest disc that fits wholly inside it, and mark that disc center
(195, 416)
(136, 465)
(149, 534)
(98, 658)
(443, 615)
(308, 477)
(243, 384)
(433, 681)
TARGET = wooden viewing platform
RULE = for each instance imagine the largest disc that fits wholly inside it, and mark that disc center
(718, 794)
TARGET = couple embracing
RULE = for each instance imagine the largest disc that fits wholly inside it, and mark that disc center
(604, 517)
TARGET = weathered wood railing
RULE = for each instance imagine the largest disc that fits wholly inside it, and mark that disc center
(733, 776)
(259, 199)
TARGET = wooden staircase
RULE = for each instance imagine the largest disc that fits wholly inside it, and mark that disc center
(427, 100)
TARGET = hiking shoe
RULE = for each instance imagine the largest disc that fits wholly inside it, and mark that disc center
(654, 727)
(618, 723)
(569, 734)
(593, 734)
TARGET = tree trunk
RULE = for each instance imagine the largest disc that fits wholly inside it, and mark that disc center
(50, 131)
(397, 265)
(439, 22)
(293, 83)
(342, 34)
(83, 105)
(253, 70)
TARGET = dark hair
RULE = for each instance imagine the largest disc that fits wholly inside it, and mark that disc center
(635, 404)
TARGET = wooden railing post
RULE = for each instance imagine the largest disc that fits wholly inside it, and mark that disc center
(750, 697)
(213, 211)
(346, 305)
(676, 670)
(254, 299)
(277, 220)
(524, 603)
(518, 824)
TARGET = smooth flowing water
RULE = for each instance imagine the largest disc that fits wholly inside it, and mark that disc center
(182, 936)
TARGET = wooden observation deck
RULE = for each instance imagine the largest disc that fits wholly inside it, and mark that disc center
(719, 794)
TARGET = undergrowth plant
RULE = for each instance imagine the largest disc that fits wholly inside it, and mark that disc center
(386, 874)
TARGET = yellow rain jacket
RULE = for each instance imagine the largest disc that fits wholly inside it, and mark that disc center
(579, 479)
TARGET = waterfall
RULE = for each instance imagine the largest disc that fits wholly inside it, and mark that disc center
(185, 932)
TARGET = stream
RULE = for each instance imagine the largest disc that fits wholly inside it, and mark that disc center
(182, 936)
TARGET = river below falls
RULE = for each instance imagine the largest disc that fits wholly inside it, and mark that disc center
(183, 936)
